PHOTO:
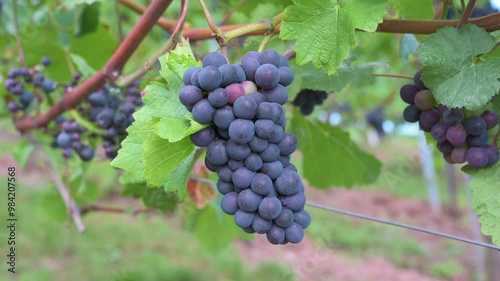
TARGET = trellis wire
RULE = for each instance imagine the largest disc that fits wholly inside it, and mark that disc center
(403, 225)
(383, 221)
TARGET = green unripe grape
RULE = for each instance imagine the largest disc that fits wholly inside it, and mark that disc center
(493, 131)
(424, 100)
(479, 111)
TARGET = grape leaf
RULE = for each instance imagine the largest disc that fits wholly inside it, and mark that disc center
(22, 152)
(452, 70)
(158, 198)
(325, 30)
(330, 157)
(82, 65)
(306, 77)
(414, 9)
(485, 184)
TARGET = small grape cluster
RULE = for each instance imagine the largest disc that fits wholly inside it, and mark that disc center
(461, 136)
(246, 141)
(307, 99)
(111, 110)
(23, 83)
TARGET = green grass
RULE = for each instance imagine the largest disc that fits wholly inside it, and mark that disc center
(119, 247)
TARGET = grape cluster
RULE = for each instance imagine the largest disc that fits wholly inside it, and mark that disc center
(23, 83)
(461, 136)
(307, 99)
(246, 141)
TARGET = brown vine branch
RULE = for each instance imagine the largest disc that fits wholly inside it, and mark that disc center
(466, 13)
(110, 71)
(138, 8)
(169, 45)
(96, 208)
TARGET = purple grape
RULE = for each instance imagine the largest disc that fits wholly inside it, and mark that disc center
(491, 119)
(438, 131)
(408, 92)
(477, 157)
(267, 76)
(456, 135)
(411, 113)
(203, 137)
(475, 125)
(214, 59)
(417, 80)
(493, 154)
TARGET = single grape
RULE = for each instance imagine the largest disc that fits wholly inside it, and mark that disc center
(248, 200)
(286, 75)
(283, 61)
(287, 183)
(210, 78)
(67, 153)
(428, 118)
(242, 178)
(46, 61)
(187, 75)
(276, 135)
(250, 67)
(86, 153)
(105, 118)
(284, 159)
(285, 219)
(195, 81)
(438, 131)
(243, 219)
(408, 93)
(113, 101)
(302, 218)
(218, 97)
(48, 85)
(288, 144)
(270, 208)
(294, 202)
(26, 98)
(272, 169)
(261, 184)
(258, 144)
(294, 233)
(203, 137)
(453, 116)
(241, 131)
(445, 147)
(480, 140)
(211, 166)
(245, 108)
(277, 94)
(190, 95)
(237, 151)
(223, 117)
(276, 235)
(240, 73)
(417, 80)
(458, 155)
(63, 140)
(411, 113)
(270, 57)
(264, 128)
(270, 154)
(229, 203)
(493, 154)
(225, 173)
(203, 111)
(250, 55)
(477, 157)
(235, 164)
(424, 100)
(475, 125)
(253, 162)
(456, 135)
(261, 225)
(257, 97)
(229, 74)
(217, 152)
(267, 76)
(214, 59)
(235, 91)
(491, 119)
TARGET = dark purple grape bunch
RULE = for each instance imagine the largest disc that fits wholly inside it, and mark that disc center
(69, 140)
(23, 82)
(460, 137)
(306, 100)
(246, 141)
(111, 109)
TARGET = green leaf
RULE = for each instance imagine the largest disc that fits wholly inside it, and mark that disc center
(52, 205)
(330, 157)
(452, 70)
(158, 198)
(135, 190)
(172, 129)
(82, 65)
(408, 46)
(22, 152)
(485, 184)
(89, 19)
(306, 77)
(325, 30)
(414, 9)
(178, 178)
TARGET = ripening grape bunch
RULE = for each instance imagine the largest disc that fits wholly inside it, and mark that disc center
(461, 136)
(246, 141)
(307, 99)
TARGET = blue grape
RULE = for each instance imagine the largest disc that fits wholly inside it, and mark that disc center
(243, 219)
(417, 80)
(477, 157)
(408, 93)
(105, 118)
(276, 235)
(211, 166)
(445, 147)
(48, 85)
(267, 110)
(237, 151)
(270, 208)
(284, 159)
(235, 164)
(267, 76)
(286, 75)
(288, 144)
(283, 61)
(203, 111)
(475, 125)
(224, 187)
(217, 153)
(411, 113)
(491, 119)
(261, 184)
(285, 219)
(294, 202)
(26, 98)
(294, 233)
(214, 59)
(223, 133)
(257, 97)
(250, 67)
(480, 140)
(225, 173)
(240, 73)
(229, 203)
(270, 57)
(276, 135)
(258, 144)
(253, 162)
(67, 153)
(261, 225)
(277, 94)
(113, 101)
(195, 81)
(272, 169)
(63, 140)
(270, 154)
(493, 154)
(245, 108)
(438, 131)
(86, 153)
(210, 78)
(287, 183)
(428, 118)
(229, 74)
(302, 218)
(264, 128)
(250, 55)
(242, 177)
(248, 200)
(241, 131)
(46, 61)
(203, 137)
(187, 75)
(456, 135)
(218, 97)
(223, 117)
(190, 95)
(453, 116)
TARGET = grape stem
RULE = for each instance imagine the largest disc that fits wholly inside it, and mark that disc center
(122, 81)
(119, 20)
(216, 31)
(462, 4)
(392, 76)
(22, 56)
(109, 72)
(455, 10)
(265, 41)
(97, 208)
(466, 13)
